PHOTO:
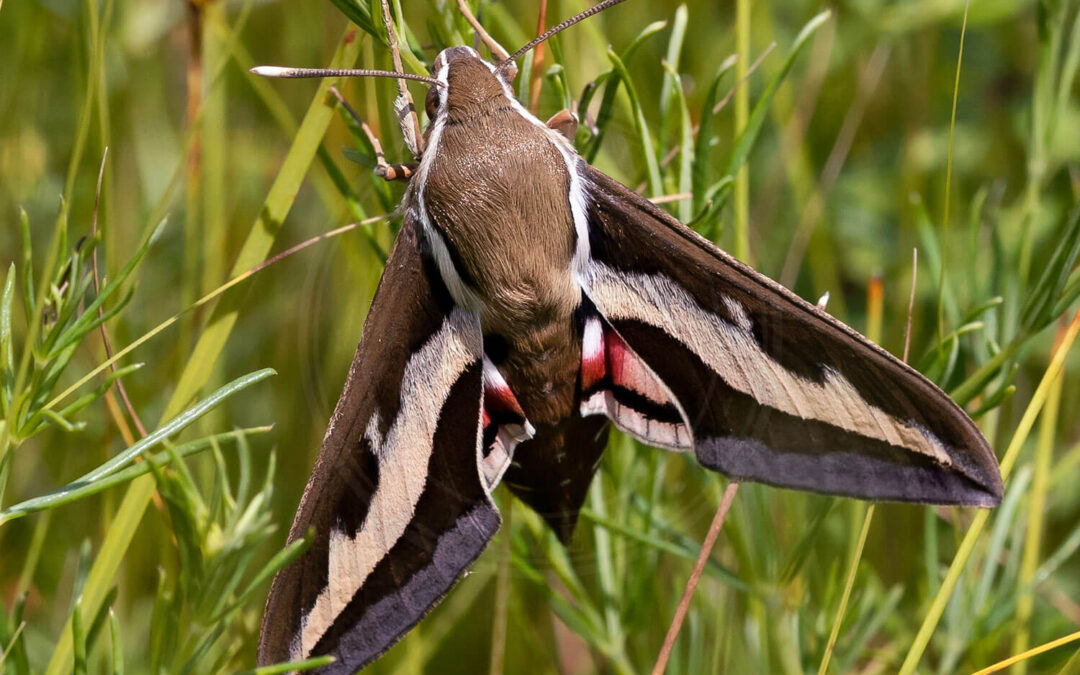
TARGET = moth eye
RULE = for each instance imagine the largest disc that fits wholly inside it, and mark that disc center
(431, 103)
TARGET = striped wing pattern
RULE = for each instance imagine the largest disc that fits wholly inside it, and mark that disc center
(396, 503)
(773, 389)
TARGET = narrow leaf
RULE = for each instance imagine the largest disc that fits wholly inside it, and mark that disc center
(84, 484)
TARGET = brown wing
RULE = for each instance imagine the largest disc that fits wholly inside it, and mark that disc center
(773, 389)
(396, 501)
(552, 471)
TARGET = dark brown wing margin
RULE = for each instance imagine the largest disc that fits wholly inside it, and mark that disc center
(643, 260)
(450, 516)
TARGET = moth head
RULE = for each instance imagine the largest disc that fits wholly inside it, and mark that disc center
(465, 81)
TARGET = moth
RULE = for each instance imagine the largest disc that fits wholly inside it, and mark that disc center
(529, 303)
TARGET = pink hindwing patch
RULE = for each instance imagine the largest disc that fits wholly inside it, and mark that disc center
(504, 423)
(616, 383)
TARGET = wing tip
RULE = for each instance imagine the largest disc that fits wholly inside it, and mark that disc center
(987, 494)
(978, 467)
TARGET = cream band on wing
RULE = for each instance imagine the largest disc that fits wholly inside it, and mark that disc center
(731, 350)
(429, 375)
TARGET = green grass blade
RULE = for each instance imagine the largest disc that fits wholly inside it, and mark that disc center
(948, 175)
(611, 81)
(210, 344)
(742, 105)
(78, 638)
(263, 233)
(641, 127)
(80, 486)
(358, 13)
(712, 567)
(117, 644)
(1036, 509)
(291, 666)
(670, 84)
(686, 147)
(1072, 667)
(703, 141)
(748, 135)
(967, 545)
(7, 354)
(1038, 310)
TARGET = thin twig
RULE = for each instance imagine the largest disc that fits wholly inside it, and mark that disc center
(581, 16)
(383, 169)
(1065, 605)
(695, 576)
(376, 145)
(493, 46)
(119, 384)
(665, 199)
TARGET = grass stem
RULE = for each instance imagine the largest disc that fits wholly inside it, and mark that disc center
(948, 179)
(695, 576)
(1036, 512)
(967, 545)
(1054, 644)
(742, 116)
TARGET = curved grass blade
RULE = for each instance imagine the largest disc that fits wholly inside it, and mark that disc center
(648, 153)
(80, 489)
(256, 247)
(967, 545)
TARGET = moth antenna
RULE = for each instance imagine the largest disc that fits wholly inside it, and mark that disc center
(595, 9)
(279, 71)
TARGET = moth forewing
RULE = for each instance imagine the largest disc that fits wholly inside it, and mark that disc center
(775, 390)
(395, 501)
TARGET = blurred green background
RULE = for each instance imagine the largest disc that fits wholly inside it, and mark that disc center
(847, 175)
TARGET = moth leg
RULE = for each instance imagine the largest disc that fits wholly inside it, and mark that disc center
(565, 122)
(383, 169)
(494, 47)
(401, 172)
(403, 104)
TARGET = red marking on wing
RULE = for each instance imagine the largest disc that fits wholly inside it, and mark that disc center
(615, 382)
(592, 371)
(499, 399)
(593, 354)
(629, 372)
